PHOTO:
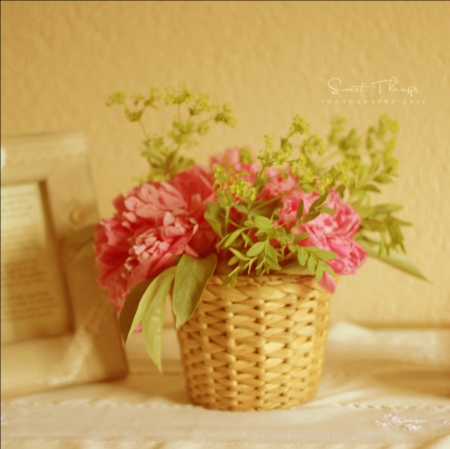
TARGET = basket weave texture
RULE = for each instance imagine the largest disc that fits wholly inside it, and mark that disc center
(259, 346)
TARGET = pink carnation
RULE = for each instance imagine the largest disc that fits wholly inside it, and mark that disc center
(155, 223)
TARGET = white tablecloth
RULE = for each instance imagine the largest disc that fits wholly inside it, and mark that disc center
(380, 389)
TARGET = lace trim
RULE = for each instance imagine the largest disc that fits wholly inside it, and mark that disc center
(401, 422)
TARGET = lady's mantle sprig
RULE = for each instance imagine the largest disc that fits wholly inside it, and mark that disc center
(194, 116)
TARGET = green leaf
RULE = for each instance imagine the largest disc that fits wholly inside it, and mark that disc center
(325, 255)
(363, 174)
(310, 216)
(233, 236)
(293, 248)
(312, 249)
(212, 216)
(241, 207)
(383, 179)
(319, 272)
(256, 249)
(341, 189)
(130, 306)
(326, 210)
(300, 209)
(328, 269)
(272, 264)
(371, 188)
(386, 208)
(233, 260)
(293, 268)
(302, 256)
(262, 223)
(153, 321)
(238, 254)
(319, 201)
(191, 278)
(312, 264)
(394, 259)
(272, 257)
(374, 166)
(166, 277)
(301, 236)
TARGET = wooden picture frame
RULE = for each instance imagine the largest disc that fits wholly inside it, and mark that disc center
(57, 326)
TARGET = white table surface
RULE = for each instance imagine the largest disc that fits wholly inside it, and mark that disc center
(379, 389)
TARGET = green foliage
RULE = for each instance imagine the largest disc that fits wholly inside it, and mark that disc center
(355, 165)
(191, 278)
(394, 259)
(194, 116)
(146, 301)
(139, 300)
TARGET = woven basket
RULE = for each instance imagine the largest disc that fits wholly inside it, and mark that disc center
(257, 347)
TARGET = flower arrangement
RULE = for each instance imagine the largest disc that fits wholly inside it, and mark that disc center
(301, 205)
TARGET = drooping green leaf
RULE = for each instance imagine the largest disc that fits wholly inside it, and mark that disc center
(130, 306)
(153, 320)
(394, 259)
(191, 278)
(160, 282)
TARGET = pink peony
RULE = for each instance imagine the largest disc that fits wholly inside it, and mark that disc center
(278, 184)
(155, 223)
(329, 232)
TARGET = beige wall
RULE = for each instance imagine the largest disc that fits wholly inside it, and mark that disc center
(60, 60)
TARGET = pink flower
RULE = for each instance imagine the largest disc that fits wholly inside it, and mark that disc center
(278, 184)
(333, 233)
(155, 223)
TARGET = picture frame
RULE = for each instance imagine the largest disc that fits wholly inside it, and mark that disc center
(58, 328)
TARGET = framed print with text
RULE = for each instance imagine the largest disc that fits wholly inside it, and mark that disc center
(57, 327)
